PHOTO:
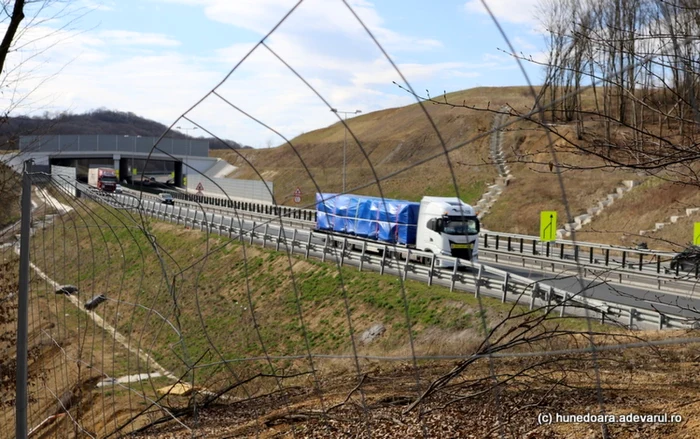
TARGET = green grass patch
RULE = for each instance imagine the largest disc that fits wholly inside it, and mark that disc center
(201, 302)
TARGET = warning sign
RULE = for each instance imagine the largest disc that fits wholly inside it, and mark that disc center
(200, 188)
(297, 195)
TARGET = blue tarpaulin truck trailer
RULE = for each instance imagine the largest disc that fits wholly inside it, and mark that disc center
(439, 225)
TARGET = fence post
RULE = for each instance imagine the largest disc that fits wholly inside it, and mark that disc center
(342, 251)
(265, 235)
(405, 267)
(362, 257)
(279, 237)
(504, 288)
(432, 267)
(308, 243)
(535, 290)
(477, 290)
(381, 267)
(454, 275)
(633, 312)
(563, 304)
(23, 303)
(252, 233)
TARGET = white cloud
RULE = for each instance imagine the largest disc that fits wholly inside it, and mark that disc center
(513, 11)
(62, 70)
(311, 16)
(129, 38)
(97, 5)
(521, 44)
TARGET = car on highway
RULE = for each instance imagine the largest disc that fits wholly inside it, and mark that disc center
(166, 198)
(119, 189)
(687, 260)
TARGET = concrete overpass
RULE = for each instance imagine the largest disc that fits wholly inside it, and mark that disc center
(124, 153)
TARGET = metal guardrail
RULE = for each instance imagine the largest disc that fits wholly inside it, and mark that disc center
(590, 255)
(586, 253)
(482, 279)
(263, 208)
(666, 283)
(632, 266)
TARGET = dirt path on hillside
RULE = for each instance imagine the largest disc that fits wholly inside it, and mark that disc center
(109, 329)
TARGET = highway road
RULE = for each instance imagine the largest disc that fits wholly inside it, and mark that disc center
(683, 303)
(606, 289)
(687, 305)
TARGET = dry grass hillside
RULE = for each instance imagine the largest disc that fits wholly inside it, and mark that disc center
(398, 139)
(393, 140)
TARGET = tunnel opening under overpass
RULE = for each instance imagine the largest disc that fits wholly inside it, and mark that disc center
(129, 169)
(128, 155)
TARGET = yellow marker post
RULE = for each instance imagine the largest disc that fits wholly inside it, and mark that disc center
(696, 234)
(548, 225)
(134, 171)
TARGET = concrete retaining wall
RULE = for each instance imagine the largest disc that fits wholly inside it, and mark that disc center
(254, 190)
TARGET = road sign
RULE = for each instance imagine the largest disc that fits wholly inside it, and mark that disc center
(297, 195)
(548, 225)
(200, 188)
(696, 234)
(134, 171)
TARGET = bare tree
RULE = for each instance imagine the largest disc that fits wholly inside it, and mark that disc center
(20, 17)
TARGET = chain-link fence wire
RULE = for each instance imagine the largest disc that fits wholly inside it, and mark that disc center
(141, 325)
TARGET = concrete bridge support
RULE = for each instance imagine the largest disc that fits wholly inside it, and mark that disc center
(179, 181)
(122, 165)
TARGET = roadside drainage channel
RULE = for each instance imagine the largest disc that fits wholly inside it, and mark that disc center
(587, 218)
(489, 198)
(671, 220)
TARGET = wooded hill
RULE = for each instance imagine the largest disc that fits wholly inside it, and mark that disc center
(100, 121)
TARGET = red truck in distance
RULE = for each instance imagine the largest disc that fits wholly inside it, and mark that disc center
(104, 179)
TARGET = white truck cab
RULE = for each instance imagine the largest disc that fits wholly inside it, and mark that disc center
(449, 227)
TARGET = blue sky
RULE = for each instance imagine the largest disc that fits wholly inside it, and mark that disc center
(157, 58)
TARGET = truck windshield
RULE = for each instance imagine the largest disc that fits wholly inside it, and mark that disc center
(109, 180)
(460, 226)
